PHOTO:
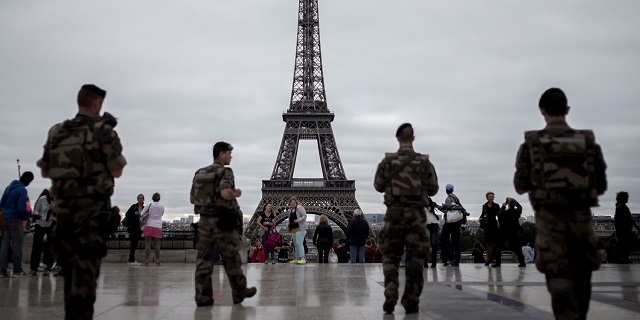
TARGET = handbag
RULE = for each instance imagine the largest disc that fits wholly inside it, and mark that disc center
(144, 217)
(454, 216)
(125, 222)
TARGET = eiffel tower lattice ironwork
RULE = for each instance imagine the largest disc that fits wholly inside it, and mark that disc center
(308, 118)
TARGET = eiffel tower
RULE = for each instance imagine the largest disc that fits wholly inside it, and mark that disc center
(308, 118)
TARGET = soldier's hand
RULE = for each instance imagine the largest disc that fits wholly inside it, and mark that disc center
(237, 192)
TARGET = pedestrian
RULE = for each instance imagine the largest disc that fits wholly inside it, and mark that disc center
(528, 253)
(341, 251)
(489, 224)
(152, 228)
(563, 171)
(357, 234)
(298, 228)
(478, 253)
(433, 226)
(450, 236)
(283, 250)
(624, 224)
(266, 222)
(323, 239)
(407, 179)
(134, 229)
(43, 228)
(14, 206)
(214, 196)
(509, 220)
(258, 253)
(82, 156)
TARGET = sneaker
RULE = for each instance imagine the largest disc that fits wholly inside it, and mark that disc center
(21, 274)
(294, 261)
(302, 261)
(495, 265)
(273, 262)
(446, 264)
(135, 264)
(3, 275)
(250, 293)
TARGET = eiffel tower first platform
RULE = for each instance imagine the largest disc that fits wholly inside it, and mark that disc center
(308, 118)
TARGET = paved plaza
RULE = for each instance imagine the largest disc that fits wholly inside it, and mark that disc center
(315, 291)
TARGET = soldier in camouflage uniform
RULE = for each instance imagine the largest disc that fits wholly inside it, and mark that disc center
(407, 179)
(563, 171)
(82, 156)
(213, 194)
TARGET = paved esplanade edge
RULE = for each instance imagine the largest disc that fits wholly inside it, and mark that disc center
(308, 118)
(327, 291)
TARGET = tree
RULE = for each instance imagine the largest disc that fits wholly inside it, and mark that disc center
(529, 232)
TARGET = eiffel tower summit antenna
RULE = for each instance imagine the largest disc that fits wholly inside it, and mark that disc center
(308, 118)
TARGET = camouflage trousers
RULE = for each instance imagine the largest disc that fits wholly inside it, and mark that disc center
(405, 228)
(566, 252)
(229, 244)
(79, 245)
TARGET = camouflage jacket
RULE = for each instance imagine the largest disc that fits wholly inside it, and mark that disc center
(80, 155)
(412, 184)
(560, 166)
(206, 186)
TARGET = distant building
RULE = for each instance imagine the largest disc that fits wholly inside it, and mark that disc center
(374, 217)
(531, 219)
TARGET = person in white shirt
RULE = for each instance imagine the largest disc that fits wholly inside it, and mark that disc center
(433, 226)
(152, 229)
(528, 253)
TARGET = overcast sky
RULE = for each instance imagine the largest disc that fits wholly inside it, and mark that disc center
(182, 75)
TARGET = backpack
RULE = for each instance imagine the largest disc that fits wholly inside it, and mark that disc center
(405, 178)
(563, 164)
(272, 240)
(77, 166)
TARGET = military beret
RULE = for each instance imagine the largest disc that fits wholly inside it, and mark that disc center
(402, 127)
(95, 90)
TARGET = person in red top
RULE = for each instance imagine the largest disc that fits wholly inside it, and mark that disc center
(258, 253)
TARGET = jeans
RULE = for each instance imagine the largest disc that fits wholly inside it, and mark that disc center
(451, 253)
(298, 239)
(134, 239)
(433, 239)
(14, 232)
(323, 252)
(39, 246)
(357, 252)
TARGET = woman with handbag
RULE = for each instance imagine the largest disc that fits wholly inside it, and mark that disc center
(298, 228)
(489, 224)
(151, 220)
(132, 222)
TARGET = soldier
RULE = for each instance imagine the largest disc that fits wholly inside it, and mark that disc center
(213, 194)
(82, 156)
(563, 171)
(407, 179)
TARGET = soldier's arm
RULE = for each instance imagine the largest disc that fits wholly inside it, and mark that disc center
(521, 179)
(193, 189)
(227, 190)
(379, 181)
(600, 167)
(432, 180)
(112, 151)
